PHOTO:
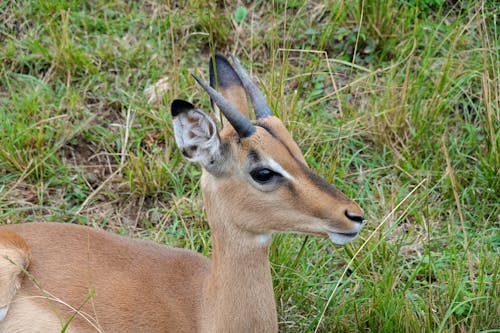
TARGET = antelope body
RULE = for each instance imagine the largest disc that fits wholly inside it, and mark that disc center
(255, 182)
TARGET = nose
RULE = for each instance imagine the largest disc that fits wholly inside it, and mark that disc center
(354, 217)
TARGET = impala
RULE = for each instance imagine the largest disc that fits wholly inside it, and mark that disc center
(255, 183)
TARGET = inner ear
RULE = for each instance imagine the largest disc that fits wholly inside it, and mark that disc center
(200, 128)
(196, 135)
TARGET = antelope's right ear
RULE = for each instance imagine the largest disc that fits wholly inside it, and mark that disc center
(196, 135)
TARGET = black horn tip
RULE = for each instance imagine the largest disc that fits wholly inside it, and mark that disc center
(202, 83)
(196, 78)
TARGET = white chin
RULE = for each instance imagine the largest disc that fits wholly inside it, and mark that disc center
(340, 239)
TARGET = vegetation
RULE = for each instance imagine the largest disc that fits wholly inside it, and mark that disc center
(396, 102)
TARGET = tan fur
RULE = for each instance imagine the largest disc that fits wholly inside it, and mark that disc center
(14, 259)
(109, 283)
(307, 204)
(134, 281)
(31, 317)
(237, 97)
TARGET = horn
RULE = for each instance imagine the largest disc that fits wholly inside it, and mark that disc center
(262, 110)
(241, 124)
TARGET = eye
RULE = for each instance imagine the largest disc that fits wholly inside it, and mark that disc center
(264, 175)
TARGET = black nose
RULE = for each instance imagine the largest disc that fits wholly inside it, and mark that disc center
(354, 217)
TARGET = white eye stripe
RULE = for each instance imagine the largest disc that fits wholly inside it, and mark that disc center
(278, 168)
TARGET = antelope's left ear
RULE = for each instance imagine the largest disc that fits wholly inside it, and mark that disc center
(196, 135)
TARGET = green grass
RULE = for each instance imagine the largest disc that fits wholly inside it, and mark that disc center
(397, 103)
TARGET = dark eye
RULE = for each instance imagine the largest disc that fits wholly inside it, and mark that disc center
(264, 175)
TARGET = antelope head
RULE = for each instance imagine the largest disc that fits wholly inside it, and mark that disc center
(255, 179)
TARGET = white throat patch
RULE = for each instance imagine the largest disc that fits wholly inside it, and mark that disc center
(264, 239)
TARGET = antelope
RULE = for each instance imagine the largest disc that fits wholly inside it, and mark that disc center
(255, 182)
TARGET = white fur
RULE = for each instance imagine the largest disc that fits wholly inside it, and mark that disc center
(264, 239)
(3, 312)
(278, 168)
(340, 239)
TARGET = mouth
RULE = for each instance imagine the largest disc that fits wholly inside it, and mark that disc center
(342, 238)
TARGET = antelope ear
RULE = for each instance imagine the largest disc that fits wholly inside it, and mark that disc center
(196, 135)
(225, 79)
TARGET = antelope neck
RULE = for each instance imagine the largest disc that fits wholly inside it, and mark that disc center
(239, 295)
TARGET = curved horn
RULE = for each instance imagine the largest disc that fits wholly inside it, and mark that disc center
(241, 124)
(262, 110)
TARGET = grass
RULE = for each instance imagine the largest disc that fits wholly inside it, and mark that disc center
(395, 103)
